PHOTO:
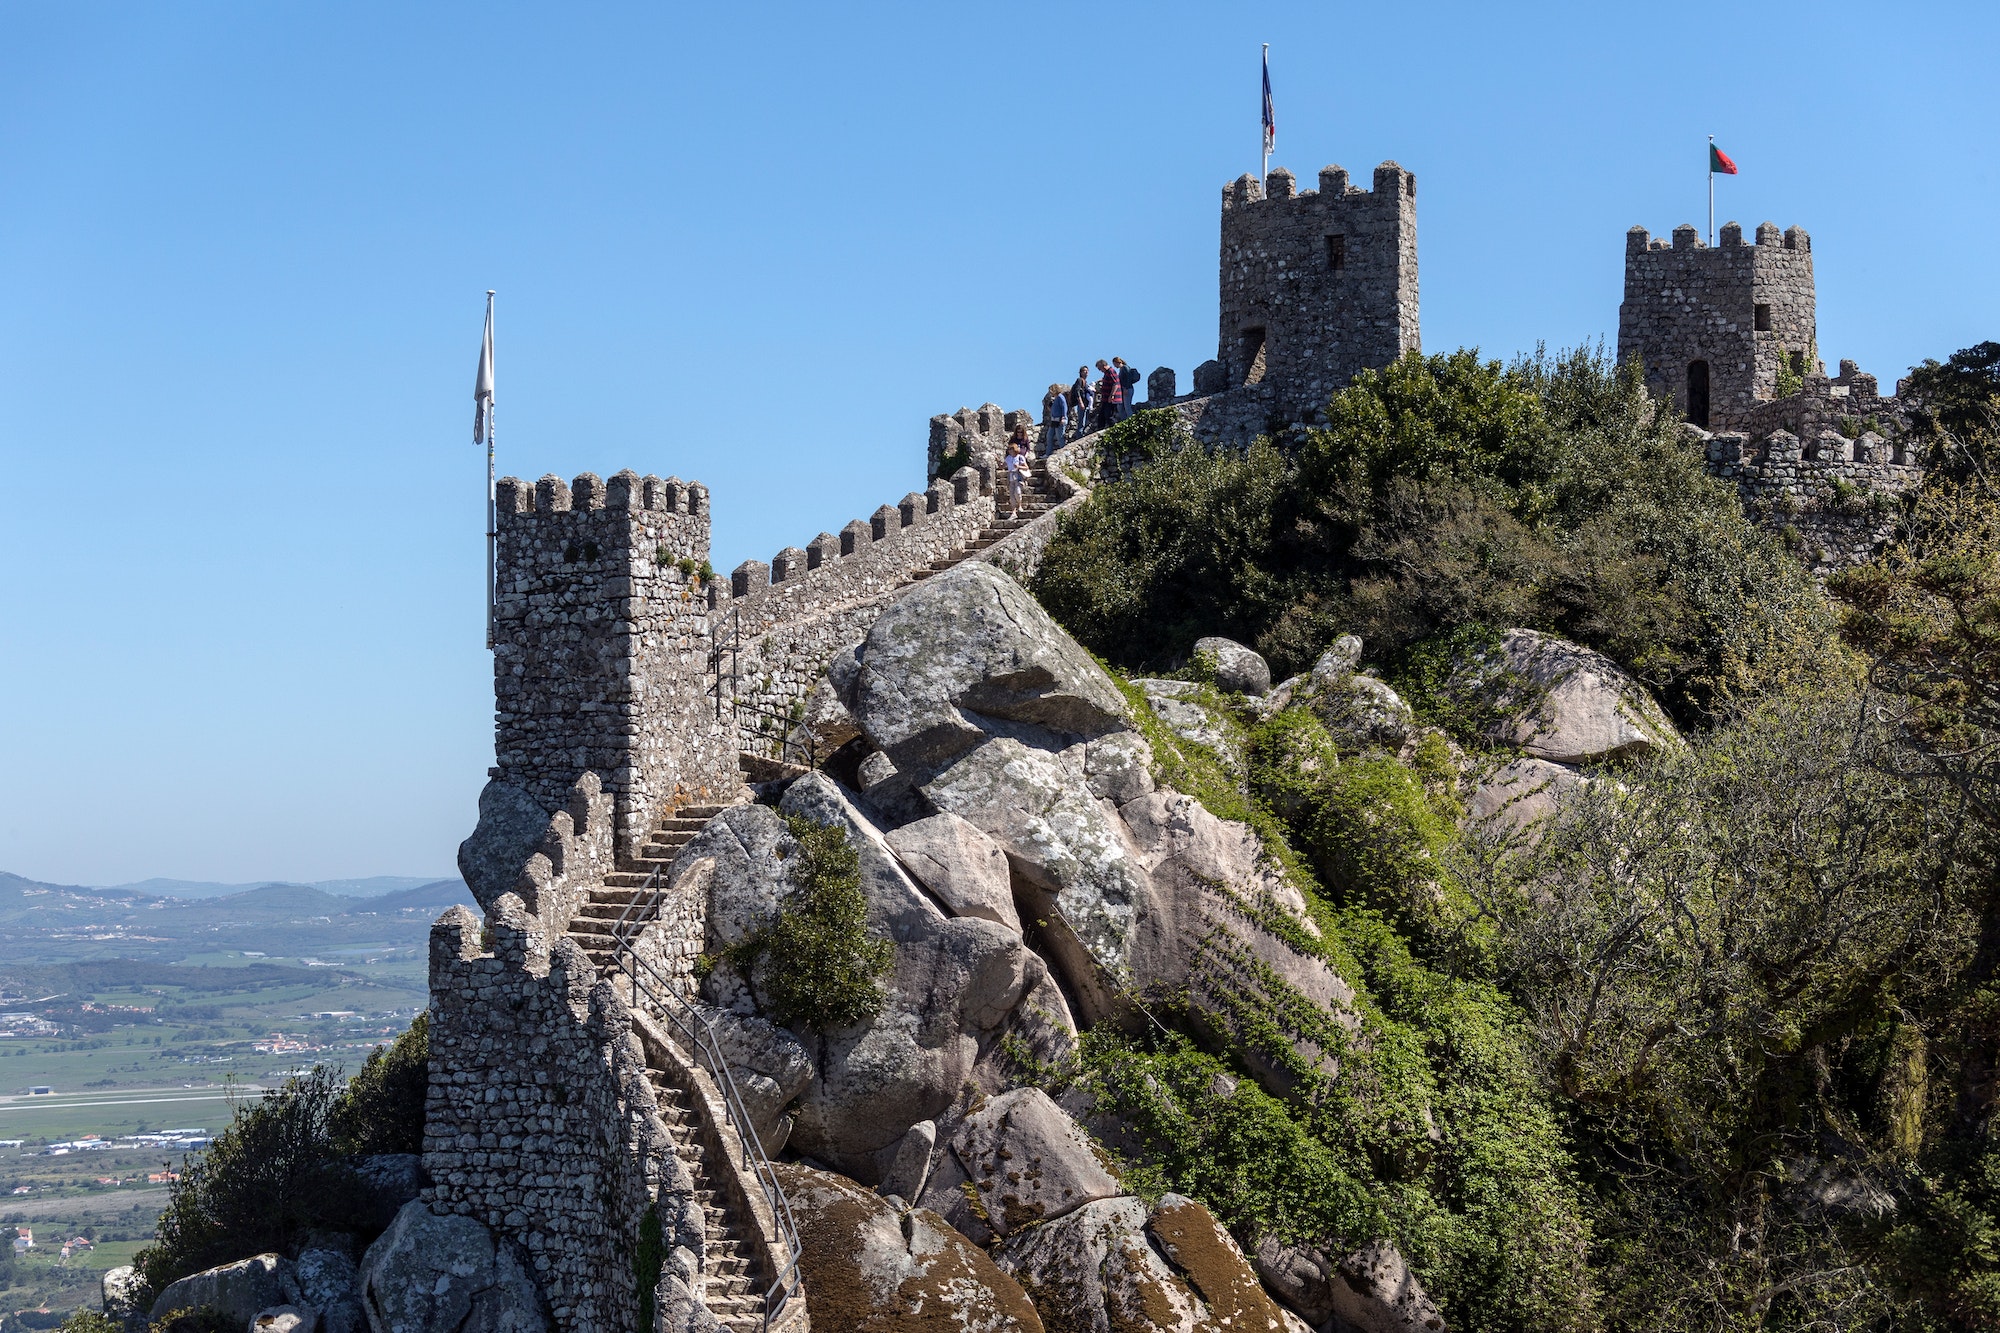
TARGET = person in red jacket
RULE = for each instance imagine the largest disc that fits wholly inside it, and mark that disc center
(1110, 394)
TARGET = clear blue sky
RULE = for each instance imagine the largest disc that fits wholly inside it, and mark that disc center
(243, 250)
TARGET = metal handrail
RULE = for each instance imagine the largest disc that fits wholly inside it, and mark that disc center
(719, 648)
(705, 1046)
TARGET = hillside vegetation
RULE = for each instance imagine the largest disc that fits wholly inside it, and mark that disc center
(1719, 1047)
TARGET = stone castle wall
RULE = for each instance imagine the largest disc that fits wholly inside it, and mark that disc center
(540, 1121)
(777, 668)
(1315, 285)
(577, 850)
(1833, 497)
(1686, 302)
(601, 645)
(867, 558)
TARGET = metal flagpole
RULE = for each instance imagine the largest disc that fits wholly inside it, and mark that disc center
(492, 501)
(1711, 190)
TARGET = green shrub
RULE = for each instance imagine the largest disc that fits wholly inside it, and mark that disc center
(819, 967)
(90, 1321)
(382, 1110)
(270, 1176)
(1443, 492)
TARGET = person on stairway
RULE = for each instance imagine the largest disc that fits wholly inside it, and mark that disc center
(1055, 419)
(1080, 400)
(1017, 468)
(1110, 394)
(1128, 383)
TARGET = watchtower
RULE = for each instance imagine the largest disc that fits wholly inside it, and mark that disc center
(1713, 325)
(1316, 285)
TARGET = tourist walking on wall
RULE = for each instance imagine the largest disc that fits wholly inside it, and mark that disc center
(1055, 419)
(1080, 399)
(1017, 467)
(1128, 382)
(1110, 394)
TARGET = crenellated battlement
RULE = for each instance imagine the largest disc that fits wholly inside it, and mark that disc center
(1315, 286)
(868, 557)
(1719, 328)
(601, 644)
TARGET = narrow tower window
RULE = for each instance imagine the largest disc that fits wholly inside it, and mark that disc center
(1763, 318)
(1336, 253)
(1253, 356)
(1697, 395)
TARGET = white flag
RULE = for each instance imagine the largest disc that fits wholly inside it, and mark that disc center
(482, 388)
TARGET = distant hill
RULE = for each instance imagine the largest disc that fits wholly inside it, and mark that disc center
(374, 886)
(57, 923)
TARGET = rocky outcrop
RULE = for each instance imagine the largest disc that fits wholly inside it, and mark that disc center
(965, 650)
(1177, 703)
(389, 1180)
(1016, 1162)
(1238, 670)
(1067, 849)
(236, 1291)
(1114, 1265)
(1511, 799)
(1560, 701)
(510, 829)
(431, 1274)
(958, 986)
(963, 867)
(1371, 1290)
(873, 1267)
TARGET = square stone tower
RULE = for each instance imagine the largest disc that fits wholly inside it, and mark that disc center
(1712, 325)
(1316, 285)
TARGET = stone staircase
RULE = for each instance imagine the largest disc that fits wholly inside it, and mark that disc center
(595, 921)
(732, 1270)
(1037, 498)
(733, 1273)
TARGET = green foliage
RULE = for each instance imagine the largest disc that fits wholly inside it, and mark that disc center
(647, 1261)
(1741, 964)
(1443, 492)
(1957, 410)
(90, 1321)
(956, 459)
(382, 1110)
(1791, 373)
(1422, 673)
(273, 1174)
(816, 963)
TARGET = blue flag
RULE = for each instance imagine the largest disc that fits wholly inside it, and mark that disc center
(1270, 117)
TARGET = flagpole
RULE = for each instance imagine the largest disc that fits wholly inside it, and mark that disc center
(492, 500)
(1711, 191)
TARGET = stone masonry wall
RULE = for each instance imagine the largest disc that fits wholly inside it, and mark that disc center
(984, 431)
(868, 558)
(779, 667)
(601, 654)
(539, 1120)
(1315, 285)
(575, 854)
(1686, 302)
(1833, 497)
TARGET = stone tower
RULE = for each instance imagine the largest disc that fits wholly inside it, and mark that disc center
(1712, 325)
(1315, 285)
(601, 651)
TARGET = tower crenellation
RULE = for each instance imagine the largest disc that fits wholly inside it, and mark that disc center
(1315, 285)
(1718, 328)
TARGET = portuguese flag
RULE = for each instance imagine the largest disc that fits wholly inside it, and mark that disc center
(1720, 161)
